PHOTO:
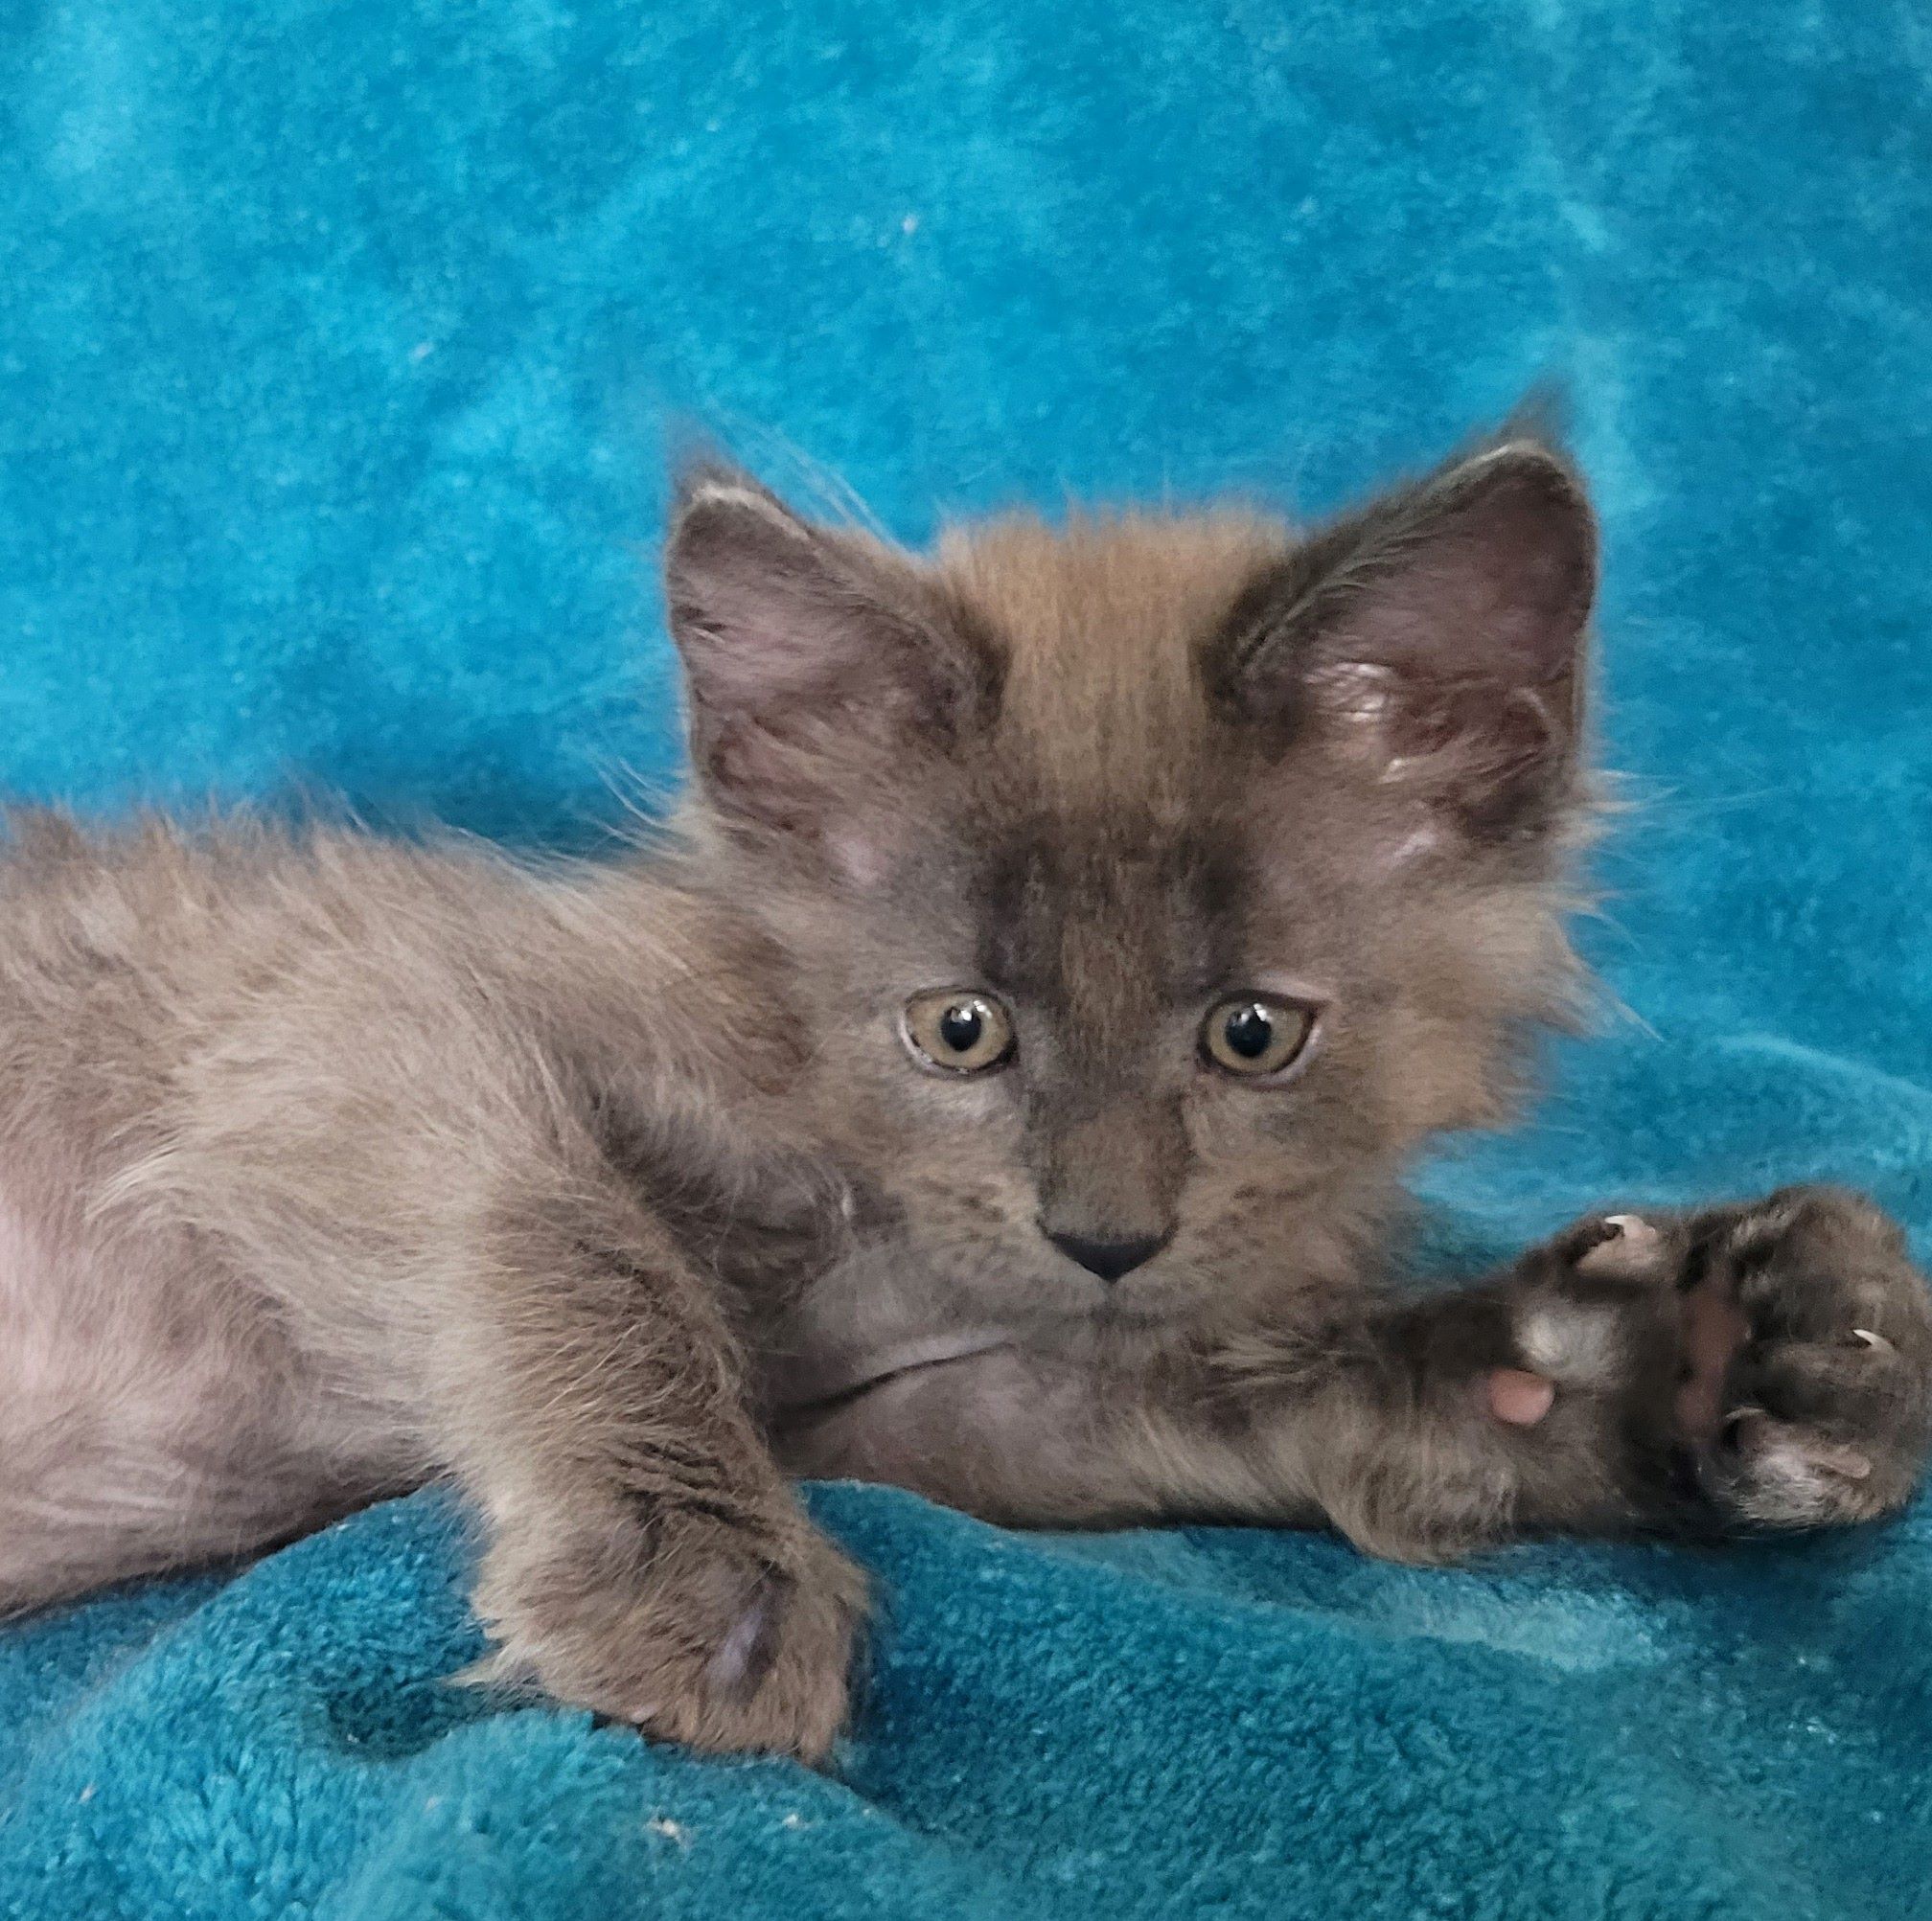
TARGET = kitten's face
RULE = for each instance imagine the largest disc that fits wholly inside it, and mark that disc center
(1152, 886)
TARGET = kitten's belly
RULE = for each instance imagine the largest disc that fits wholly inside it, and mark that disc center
(151, 1412)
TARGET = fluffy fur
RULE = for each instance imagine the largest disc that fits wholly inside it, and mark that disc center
(329, 1165)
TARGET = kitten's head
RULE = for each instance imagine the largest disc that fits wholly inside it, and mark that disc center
(1154, 883)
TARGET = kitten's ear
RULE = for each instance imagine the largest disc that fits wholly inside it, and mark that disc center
(816, 659)
(1438, 635)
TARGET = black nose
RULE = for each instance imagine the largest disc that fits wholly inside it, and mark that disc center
(1110, 1259)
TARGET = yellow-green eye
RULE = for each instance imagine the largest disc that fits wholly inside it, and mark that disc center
(958, 1030)
(1256, 1035)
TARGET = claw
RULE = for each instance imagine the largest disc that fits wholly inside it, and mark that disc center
(1865, 1338)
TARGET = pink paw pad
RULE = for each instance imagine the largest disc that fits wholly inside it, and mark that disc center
(1518, 1398)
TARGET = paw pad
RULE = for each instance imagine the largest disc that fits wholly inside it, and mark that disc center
(1518, 1398)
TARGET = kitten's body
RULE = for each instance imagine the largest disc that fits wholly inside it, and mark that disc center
(328, 1165)
(252, 1081)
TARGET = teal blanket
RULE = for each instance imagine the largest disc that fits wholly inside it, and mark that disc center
(336, 340)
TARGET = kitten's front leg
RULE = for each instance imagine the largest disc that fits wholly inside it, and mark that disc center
(646, 1558)
(1767, 1365)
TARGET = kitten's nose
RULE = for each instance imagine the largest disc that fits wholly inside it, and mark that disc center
(1110, 1259)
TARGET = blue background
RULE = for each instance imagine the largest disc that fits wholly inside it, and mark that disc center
(340, 344)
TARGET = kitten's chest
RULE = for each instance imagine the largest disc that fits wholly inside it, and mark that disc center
(823, 1287)
(873, 1311)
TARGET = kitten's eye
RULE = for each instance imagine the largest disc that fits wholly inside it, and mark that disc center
(1256, 1035)
(958, 1030)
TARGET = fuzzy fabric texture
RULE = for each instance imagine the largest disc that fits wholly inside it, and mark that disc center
(337, 341)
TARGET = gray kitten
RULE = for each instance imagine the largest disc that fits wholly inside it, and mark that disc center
(997, 1082)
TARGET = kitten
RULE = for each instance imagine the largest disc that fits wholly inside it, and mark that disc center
(997, 1082)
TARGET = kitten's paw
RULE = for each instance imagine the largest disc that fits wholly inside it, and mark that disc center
(1779, 1351)
(700, 1632)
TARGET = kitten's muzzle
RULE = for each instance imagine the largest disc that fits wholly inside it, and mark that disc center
(1110, 1174)
(1110, 1259)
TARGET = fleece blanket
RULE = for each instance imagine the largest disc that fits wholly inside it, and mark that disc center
(338, 338)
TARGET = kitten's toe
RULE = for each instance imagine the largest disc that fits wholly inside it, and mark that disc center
(1767, 1473)
(1623, 1247)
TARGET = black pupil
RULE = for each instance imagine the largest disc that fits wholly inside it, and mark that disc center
(1250, 1032)
(961, 1025)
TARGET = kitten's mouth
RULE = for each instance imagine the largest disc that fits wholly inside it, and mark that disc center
(860, 1375)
